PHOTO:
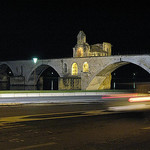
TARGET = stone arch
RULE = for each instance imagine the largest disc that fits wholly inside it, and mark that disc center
(5, 74)
(4, 67)
(37, 71)
(80, 52)
(65, 68)
(85, 67)
(74, 69)
(96, 80)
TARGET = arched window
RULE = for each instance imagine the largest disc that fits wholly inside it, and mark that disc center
(74, 69)
(85, 67)
(65, 68)
(80, 52)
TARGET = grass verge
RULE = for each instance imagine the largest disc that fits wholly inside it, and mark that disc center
(57, 91)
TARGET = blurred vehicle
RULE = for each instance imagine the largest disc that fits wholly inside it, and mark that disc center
(127, 102)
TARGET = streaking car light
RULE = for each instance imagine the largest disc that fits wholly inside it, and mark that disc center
(120, 96)
(139, 99)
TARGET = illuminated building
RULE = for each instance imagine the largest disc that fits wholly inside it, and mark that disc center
(83, 49)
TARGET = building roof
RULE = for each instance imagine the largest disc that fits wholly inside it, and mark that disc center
(97, 48)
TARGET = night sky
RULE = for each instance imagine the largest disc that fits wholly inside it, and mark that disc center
(48, 29)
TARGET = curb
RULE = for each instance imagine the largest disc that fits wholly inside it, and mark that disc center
(15, 95)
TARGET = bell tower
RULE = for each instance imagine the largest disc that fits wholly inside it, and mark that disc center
(81, 38)
(81, 48)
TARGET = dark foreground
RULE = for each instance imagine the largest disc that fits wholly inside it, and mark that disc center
(72, 127)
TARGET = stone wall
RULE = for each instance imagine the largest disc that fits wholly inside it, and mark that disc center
(17, 80)
(106, 83)
(69, 83)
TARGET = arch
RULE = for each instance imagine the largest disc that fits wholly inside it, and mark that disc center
(74, 69)
(65, 68)
(80, 52)
(5, 68)
(101, 74)
(128, 76)
(5, 74)
(48, 80)
(85, 67)
(38, 70)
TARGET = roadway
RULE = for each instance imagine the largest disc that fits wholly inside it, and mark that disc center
(72, 126)
(112, 103)
(50, 99)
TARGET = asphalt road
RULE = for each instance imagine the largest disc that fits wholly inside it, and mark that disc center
(50, 99)
(108, 102)
(72, 127)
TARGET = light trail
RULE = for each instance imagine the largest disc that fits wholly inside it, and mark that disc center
(139, 99)
(120, 96)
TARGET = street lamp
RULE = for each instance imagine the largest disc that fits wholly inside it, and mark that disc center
(52, 83)
(114, 80)
(35, 61)
(134, 80)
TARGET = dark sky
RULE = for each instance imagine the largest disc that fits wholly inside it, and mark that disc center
(48, 29)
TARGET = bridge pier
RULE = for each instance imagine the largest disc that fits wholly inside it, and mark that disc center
(69, 83)
(14, 80)
(98, 83)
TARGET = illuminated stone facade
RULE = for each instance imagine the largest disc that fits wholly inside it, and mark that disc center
(83, 49)
(69, 83)
(94, 72)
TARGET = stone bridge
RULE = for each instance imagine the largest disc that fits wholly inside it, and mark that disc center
(92, 73)
(90, 67)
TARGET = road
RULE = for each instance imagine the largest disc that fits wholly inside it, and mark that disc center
(51, 99)
(72, 126)
(109, 102)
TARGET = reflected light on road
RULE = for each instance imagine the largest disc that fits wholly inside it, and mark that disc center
(139, 99)
(129, 107)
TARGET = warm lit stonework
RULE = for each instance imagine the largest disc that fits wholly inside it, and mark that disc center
(80, 52)
(85, 67)
(74, 69)
(83, 49)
